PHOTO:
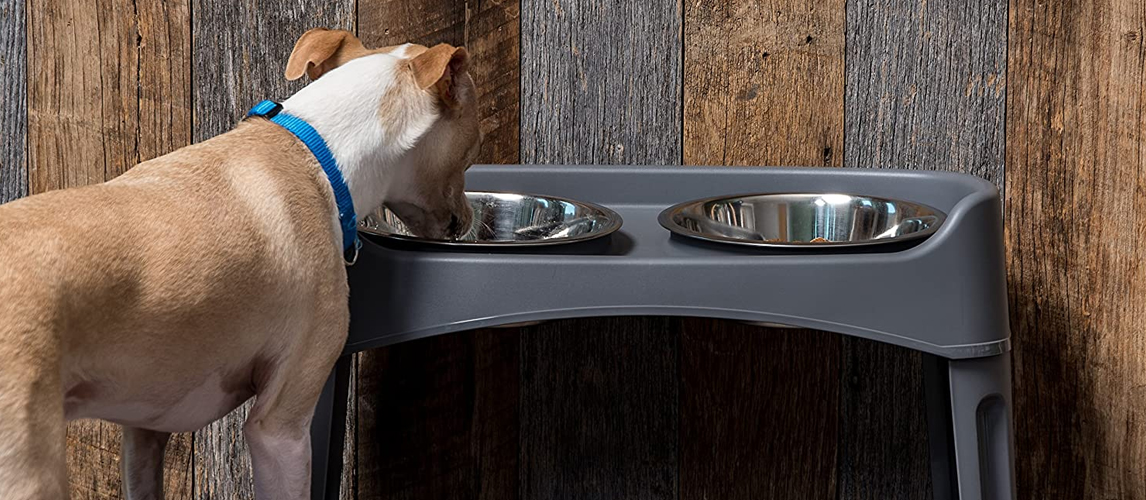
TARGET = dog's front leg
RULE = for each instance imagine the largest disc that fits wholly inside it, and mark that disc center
(141, 459)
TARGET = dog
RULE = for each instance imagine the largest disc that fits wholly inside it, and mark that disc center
(167, 297)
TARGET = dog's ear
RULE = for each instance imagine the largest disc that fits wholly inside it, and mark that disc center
(320, 50)
(439, 67)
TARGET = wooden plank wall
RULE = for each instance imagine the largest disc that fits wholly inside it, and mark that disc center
(662, 408)
(925, 90)
(763, 86)
(1076, 223)
(13, 101)
(599, 402)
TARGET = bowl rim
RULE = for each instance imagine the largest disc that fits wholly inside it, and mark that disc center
(665, 218)
(612, 218)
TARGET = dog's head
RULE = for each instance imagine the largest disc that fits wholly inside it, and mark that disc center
(407, 114)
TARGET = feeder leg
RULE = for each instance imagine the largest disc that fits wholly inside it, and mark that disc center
(970, 429)
(327, 434)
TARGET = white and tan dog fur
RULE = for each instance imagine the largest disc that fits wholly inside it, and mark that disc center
(163, 299)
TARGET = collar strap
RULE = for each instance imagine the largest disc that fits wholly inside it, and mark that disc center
(273, 111)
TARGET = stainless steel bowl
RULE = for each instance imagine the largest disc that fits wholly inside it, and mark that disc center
(508, 219)
(802, 220)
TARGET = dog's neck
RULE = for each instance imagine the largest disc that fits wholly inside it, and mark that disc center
(344, 107)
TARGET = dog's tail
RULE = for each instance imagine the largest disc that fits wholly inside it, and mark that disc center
(32, 426)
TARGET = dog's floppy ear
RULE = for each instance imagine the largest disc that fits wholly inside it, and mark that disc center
(320, 50)
(438, 67)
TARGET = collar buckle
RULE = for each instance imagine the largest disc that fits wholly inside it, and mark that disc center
(266, 109)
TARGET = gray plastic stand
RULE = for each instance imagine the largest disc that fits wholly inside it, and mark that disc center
(944, 296)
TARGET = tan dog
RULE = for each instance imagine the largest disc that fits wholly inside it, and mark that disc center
(165, 298)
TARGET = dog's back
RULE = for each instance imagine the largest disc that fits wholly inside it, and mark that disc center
(96, 282)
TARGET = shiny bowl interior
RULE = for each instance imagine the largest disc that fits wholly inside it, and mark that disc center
(802, 220)
(510, 219)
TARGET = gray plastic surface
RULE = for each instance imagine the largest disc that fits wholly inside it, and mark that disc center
(945, 296)
(970, 427)
(328, 433)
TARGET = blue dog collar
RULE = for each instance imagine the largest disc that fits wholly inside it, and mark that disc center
(309, 136)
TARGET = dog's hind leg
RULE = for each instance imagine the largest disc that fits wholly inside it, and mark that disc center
(280, 454)
(278, 427)
(278, 432)
(32, 428)
(141, 463)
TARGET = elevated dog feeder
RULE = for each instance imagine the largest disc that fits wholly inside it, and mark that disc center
(944, 296)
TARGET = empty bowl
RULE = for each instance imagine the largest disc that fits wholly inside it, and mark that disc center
(802, 220)
(510, 219)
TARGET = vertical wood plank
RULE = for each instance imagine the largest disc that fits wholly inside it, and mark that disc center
(758, 412)
(425, 22)
(599, 410)
(599, 397)
(763, 82)
(241, 48)
(602, 82)
(763, 86)
(926, 85)
(489, 29)
(107, 89)
(13, 101)
(349, 489)
(438, 417)
(925, 90)
(882, 431)
(1076, 220)
(493, 37)
(72, 110)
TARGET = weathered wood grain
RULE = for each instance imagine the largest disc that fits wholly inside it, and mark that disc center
(763, 86)
(1076, 223)
(926, 85)
(601, 84)
(107, 88)
(882, 430)
(758, 413)
(425, 22)
(489, 29)
(163, 44)
(241, 48)
(763, 83)
(493, 37)
(925, 91)
(74, 112)
(438, 418)
(93, 460)
(13, 101)
(599, 409)
(349, 489)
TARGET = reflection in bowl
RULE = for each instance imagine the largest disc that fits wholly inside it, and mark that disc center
(508, 219)
(802, 220)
